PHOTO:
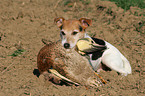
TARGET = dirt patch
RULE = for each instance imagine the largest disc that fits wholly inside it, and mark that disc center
(25, 22)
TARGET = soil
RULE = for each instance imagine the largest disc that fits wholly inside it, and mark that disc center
(24, 23)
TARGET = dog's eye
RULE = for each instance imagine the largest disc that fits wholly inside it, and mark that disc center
(74, 33)
(62, 33)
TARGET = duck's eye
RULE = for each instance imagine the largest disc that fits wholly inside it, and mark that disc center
(74, 33)
(92, 42)
(62, 33)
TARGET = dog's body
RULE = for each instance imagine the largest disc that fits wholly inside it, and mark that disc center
(112, 58)
(73, 30)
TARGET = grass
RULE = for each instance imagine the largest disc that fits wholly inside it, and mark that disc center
(17, 52)
(126, 4)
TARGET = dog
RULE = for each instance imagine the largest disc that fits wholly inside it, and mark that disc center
(73, 30)
(110, 56)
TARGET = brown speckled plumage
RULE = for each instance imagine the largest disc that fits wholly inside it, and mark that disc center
(68, 63)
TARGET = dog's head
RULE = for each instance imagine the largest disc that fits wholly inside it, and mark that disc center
(72, 30)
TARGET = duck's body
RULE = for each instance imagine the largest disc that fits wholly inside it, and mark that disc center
(70, 64)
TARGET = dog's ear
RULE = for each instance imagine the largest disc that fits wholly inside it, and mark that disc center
(85, 22)
(59, 21)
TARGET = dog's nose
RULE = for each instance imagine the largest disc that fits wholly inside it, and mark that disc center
(66, 45)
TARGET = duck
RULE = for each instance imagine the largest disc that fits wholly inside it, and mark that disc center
(54, 61)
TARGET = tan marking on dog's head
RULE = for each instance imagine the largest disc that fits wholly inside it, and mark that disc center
(59, 21)
(85, 22)
(72, 30)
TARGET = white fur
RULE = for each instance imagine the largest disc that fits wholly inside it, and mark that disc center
(113, 59)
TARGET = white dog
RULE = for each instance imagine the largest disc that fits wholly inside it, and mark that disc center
(73, 30)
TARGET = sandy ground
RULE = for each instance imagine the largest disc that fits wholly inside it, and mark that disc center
(24, 23)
